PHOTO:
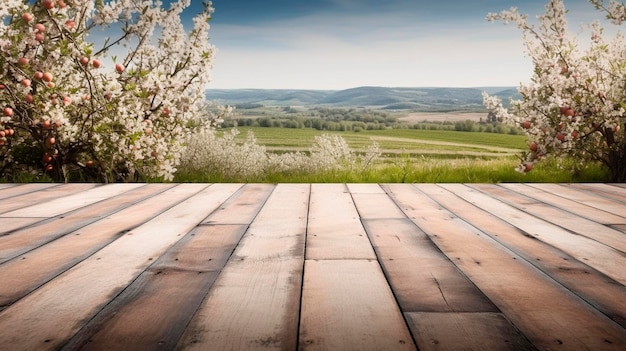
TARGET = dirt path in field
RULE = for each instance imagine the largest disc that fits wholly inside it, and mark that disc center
(493, 149)
(415, 117)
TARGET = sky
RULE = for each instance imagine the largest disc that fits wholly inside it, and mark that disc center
(340, 44)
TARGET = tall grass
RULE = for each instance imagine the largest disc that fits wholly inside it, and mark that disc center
(320, 166)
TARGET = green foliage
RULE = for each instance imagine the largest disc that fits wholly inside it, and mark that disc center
(400, 163)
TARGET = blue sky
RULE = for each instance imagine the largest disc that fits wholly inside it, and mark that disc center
(338, 44)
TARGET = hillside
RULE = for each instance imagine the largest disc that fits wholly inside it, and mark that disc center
(419, 99)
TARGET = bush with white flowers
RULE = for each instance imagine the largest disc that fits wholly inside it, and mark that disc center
(575, 103)
(75, 110)
(211, 156)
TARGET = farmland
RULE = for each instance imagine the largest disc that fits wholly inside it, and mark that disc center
(393, 142)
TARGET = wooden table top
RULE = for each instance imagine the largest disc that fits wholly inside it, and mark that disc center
(313, 266)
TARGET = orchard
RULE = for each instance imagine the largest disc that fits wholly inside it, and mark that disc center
(575, 103)
(111, 109)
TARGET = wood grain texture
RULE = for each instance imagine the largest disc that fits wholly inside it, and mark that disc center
(572, 206)
(254, 303)
(153, 312)
(604, 293)
(548, 314)
(347, 305)
(50, 315)
(421, 276)
(597, 255)
(557, 215)
(18, 242)
(465, 331)
(586, 197)
(312, 266)
(334, 229)
(41, 195)
(31, 270)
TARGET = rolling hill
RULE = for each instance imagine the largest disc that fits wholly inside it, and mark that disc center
(421, 99)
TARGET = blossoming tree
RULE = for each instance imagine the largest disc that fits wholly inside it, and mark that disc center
(73, 108)
(575, 103)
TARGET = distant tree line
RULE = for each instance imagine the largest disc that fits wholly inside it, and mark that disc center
(353, 119)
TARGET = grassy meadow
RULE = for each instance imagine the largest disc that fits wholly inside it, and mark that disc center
(413, 155)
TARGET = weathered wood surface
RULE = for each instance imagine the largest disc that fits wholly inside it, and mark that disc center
(313, 266)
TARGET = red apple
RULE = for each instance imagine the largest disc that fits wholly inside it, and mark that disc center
(29, 98)
(560, 136)
(23, 61)
(39, 37)
(27, 17)
(47, 77)
(70, 24)
(49, 168)
(96, 63)
(48, 4)
(46, 124)
(51, 141)
(61, 4)
(528, 167)
(8, 111)
(534, 147)
(84, 60)
(46, 158)
(119, 68)
(39, 27)
(90, 163)
(575, 134)
(38, 75)
(526, 124)
(25, 82)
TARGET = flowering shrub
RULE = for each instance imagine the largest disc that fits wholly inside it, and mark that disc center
(575, 103)
(74, 109)
(209, 154)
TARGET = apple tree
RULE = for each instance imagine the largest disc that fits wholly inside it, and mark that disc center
(100, 90)
(575, 102)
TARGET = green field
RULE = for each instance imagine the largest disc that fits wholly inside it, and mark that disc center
(409, 142)
(415, 155)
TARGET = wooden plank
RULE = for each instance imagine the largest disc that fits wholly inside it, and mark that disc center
(604, 293)
(242, 207)
(254, 303)
(27, 272)
(12, 224)
(558, 216)
(43, 195)
(597, 255)
(605, 190)
(335, 230)
(372, 202)
(364, 188)
(177, 283)
(21, 241)
(546, 313)
(347, 305)
(50, 315)
(72, 202)
(580, 209)
(20, 189)
(465, 331)
(421, 276)
(587, 198)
